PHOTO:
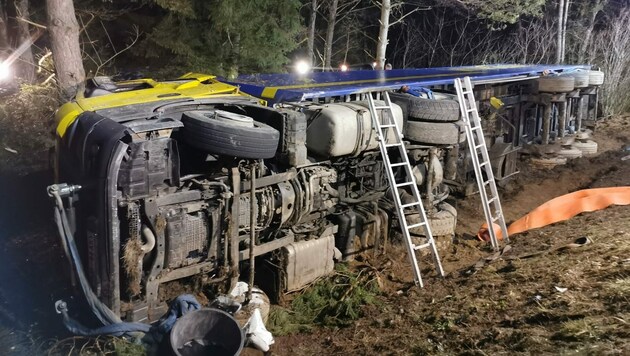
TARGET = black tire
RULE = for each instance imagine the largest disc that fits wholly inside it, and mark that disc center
(440, 110)
(442, 222)
(435, 133)
(241, 138)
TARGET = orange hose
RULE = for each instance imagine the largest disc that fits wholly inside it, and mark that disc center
(563, 208)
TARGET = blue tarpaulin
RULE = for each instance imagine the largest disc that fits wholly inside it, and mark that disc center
(294, 88)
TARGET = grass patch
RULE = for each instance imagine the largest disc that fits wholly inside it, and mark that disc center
(616, 295)
(579, 330)
(332, 302)
(16, 342)
(90, 346)
(619, 289)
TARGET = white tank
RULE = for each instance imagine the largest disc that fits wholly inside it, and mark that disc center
(342, 129)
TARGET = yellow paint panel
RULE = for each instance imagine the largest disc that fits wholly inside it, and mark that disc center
(270, 92)
(66, 115)
(192, 88)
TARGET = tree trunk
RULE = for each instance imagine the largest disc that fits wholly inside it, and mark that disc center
(559, 38)
(64, 38)
(381, 46)
(27, 63)
(564, 29)
(311, 32)
(4, 39)
(235, 57)
(588, 32)
(330, 33)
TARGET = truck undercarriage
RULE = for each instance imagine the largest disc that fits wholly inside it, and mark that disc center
(198, 191)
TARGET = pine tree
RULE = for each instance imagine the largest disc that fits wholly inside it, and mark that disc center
(226, 37)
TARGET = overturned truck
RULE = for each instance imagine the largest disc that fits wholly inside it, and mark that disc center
(192, 183)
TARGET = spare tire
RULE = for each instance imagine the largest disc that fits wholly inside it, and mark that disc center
(435, 110)
(225, 133)
(561, 84)
(595, 77)
(435, 133)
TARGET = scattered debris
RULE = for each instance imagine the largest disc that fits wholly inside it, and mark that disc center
(257, 335)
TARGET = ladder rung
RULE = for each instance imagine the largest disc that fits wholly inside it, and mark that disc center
(471, 110)
(388, 145)
(410, 204)
(492, 200)
(480, 145)
(420, 247)
(413, 226)
(486, 163)
(487, 182)
(404, 184)
(388, 125)
(382, 107)
(495, 218)
(398, 164)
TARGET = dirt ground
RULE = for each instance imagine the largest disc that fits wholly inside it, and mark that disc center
(537, 298)
(558, 301)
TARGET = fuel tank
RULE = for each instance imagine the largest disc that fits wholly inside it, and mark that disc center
(341, 129)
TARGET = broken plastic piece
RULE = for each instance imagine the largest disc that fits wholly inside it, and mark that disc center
(257, 335)
(561, 289)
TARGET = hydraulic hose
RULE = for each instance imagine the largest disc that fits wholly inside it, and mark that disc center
(112, 324)
(100, 310)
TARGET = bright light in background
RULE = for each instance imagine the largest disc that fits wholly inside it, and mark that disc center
(5, 71)
(302, 67)
(374, 64)
(344, 68)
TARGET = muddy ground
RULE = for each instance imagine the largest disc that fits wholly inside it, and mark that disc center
(563, 300)
(558, 301)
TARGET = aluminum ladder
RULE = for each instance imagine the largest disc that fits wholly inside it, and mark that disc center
(382, 128)
(481, 160)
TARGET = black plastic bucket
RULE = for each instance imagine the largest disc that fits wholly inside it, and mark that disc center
(207, 332)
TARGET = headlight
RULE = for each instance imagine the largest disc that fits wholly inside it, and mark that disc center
(302, 67)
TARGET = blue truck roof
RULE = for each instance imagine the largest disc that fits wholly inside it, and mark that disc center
(295, 88)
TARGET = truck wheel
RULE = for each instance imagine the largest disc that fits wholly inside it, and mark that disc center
(588, 147)
(443, 133)
(581, 78)
(548, 163)
(595, 77)
(570, 152)
(561, 84)
(230, 134)
(442, 109)
(442, 223)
